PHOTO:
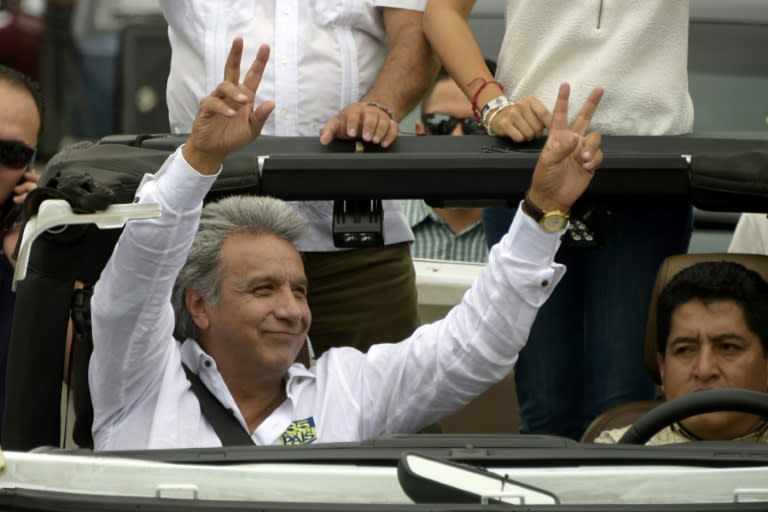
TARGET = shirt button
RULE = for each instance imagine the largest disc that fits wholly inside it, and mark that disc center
(545, 283)
(207, 364)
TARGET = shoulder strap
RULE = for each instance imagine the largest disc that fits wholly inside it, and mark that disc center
(229, 430)
(79, 357)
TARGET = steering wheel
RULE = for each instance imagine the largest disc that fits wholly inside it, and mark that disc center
(691, 404)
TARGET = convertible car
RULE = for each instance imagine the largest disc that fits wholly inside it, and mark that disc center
(83, 201)
(423, 472)
(70, 234)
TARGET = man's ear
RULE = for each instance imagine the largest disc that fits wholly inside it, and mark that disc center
(196, 305)
(660, 363)
(420, 128)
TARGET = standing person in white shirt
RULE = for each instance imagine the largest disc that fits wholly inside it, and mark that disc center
(241, 301)
(340, 70)
(585, 353)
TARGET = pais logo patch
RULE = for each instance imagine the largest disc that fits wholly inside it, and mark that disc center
(300, 432)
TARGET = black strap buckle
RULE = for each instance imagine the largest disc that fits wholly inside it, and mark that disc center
(80, 310)
(358, 223)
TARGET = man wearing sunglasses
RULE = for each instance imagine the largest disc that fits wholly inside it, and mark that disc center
(20, 127)
(453, 233)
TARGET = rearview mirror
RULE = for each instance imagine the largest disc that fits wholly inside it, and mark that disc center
(431, 480)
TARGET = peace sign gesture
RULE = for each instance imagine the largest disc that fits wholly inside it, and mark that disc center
(227, 120)
(570, 156)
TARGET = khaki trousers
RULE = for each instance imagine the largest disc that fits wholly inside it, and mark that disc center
(361, 296)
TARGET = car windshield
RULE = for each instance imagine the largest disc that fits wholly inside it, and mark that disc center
(536, 471)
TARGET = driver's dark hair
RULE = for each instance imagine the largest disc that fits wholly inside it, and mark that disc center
(713, 281)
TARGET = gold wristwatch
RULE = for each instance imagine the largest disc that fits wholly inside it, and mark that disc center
(550, 221)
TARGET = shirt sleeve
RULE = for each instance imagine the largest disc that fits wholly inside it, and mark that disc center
(611, 436)
(404, 386)
(131, 313)
(751, 234)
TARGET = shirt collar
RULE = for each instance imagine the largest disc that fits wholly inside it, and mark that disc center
(417, 211)
(193, 355)
(757, 433)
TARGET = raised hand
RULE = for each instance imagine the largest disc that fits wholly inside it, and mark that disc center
(227, 120)
(570, 156)
(28, 184)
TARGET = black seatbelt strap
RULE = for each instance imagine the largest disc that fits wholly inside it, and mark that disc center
(229, 430)
(79, 357)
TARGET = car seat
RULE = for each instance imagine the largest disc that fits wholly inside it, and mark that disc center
(626, 414)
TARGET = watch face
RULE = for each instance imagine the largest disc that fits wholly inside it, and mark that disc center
(553, 221)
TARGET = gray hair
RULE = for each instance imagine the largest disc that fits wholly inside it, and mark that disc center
(219, 220)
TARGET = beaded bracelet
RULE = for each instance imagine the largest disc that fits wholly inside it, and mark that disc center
(383, 108)
(497, 102)
(485, 83)
(491, 109)
(493, 113)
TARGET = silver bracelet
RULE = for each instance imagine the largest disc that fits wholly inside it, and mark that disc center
(495, 103)
(492, 115)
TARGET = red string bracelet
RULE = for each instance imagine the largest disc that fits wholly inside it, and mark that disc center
(475, 108)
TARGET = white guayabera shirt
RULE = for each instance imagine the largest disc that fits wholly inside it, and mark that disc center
(325, 54)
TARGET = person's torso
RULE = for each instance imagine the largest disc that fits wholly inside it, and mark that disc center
(636, 50)
(435, 239)
(325, 54)
(305, 416)
(331, 402)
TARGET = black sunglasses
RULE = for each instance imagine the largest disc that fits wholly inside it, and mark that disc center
(437, 123)
(15, 154)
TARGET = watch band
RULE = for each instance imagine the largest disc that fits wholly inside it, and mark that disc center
(531, 209)
(550, 221)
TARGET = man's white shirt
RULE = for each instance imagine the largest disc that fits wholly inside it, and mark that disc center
(142, 398)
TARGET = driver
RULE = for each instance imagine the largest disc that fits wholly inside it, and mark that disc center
(241, 303)
(712, 326)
